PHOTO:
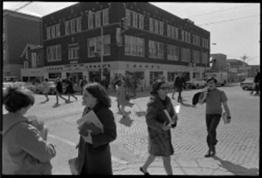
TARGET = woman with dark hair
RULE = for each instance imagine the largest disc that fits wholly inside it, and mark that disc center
(159, 126)
(25, 149)
(95, 157)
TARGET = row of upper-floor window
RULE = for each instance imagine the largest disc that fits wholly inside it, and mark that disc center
(134, 46)
(95, 20)
(133, 19)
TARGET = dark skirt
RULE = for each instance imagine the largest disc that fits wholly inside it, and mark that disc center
(160, 143)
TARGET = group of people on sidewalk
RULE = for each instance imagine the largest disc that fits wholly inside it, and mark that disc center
(69, 90)
(27, 151)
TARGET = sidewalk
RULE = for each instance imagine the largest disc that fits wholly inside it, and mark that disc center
(183, 166)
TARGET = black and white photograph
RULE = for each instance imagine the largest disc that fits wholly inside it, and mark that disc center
(130, 88)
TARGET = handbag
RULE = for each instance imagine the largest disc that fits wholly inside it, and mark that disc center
(73, 164)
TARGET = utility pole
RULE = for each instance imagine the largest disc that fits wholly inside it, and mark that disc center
(23, 6)
(102, 50)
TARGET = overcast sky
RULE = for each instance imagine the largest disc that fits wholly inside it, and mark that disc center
(234, 27)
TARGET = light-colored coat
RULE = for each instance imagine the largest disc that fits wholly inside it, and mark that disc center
(24, 150)
(121, 95)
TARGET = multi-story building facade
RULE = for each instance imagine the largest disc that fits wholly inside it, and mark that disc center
(154, 43)
(237, 70)
(218, 61)
(18, 30)
(33, 63)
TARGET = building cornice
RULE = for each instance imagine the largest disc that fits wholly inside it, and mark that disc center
(21, 15)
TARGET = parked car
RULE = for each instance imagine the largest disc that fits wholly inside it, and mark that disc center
(51, 86)
(247, 84)
(195, 84)
(7, 84)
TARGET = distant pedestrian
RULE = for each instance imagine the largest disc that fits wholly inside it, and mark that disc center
(179, 85)
(213, 98)
(25, 149)
(46, 89)
(159, 127)
(83, 83)
(70, 89)
(174, 88)
(122, 97)
(257, 83)
(95, 157)
(59, 91)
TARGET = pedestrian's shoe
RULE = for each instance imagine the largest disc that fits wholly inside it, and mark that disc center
(143, 171)
(213, 151)
(67, 101)
(208, 153)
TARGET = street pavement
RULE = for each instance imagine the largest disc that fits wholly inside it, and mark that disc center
(237, 148)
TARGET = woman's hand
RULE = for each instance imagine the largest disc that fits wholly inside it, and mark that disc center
(166, 126)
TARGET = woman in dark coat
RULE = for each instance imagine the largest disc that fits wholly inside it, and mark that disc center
(95, 157)
(159, 127)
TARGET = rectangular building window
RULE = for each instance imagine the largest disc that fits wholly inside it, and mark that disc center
(73, 51)
(105, 16)
(151, 25)
(134, 16)
(185, 55)
(161, 28)
(94, 46)
(134, 46)
(90, 20)
(107, 44)
(156, 24)
(48, 33)
(172, 52)
(128, 17)
(67, 30)
(196, 56)
(98, 19)
(78, 24)
(53, 53)
(57, 30)
(204, 58)
(141, 21)
(182, 35)
(33, 59)
(156, 49)
(72, 26)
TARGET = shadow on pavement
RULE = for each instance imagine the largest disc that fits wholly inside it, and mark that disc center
(236, 169)
(140, 113)
(126, 120)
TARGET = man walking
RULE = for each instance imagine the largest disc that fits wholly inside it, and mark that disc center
(178, 85)
(46, 89)
(59, 91)
(214, 98)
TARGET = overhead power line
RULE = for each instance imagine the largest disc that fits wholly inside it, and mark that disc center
(202, 14)
(23, 6)
(213, 12)
(228, 20)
